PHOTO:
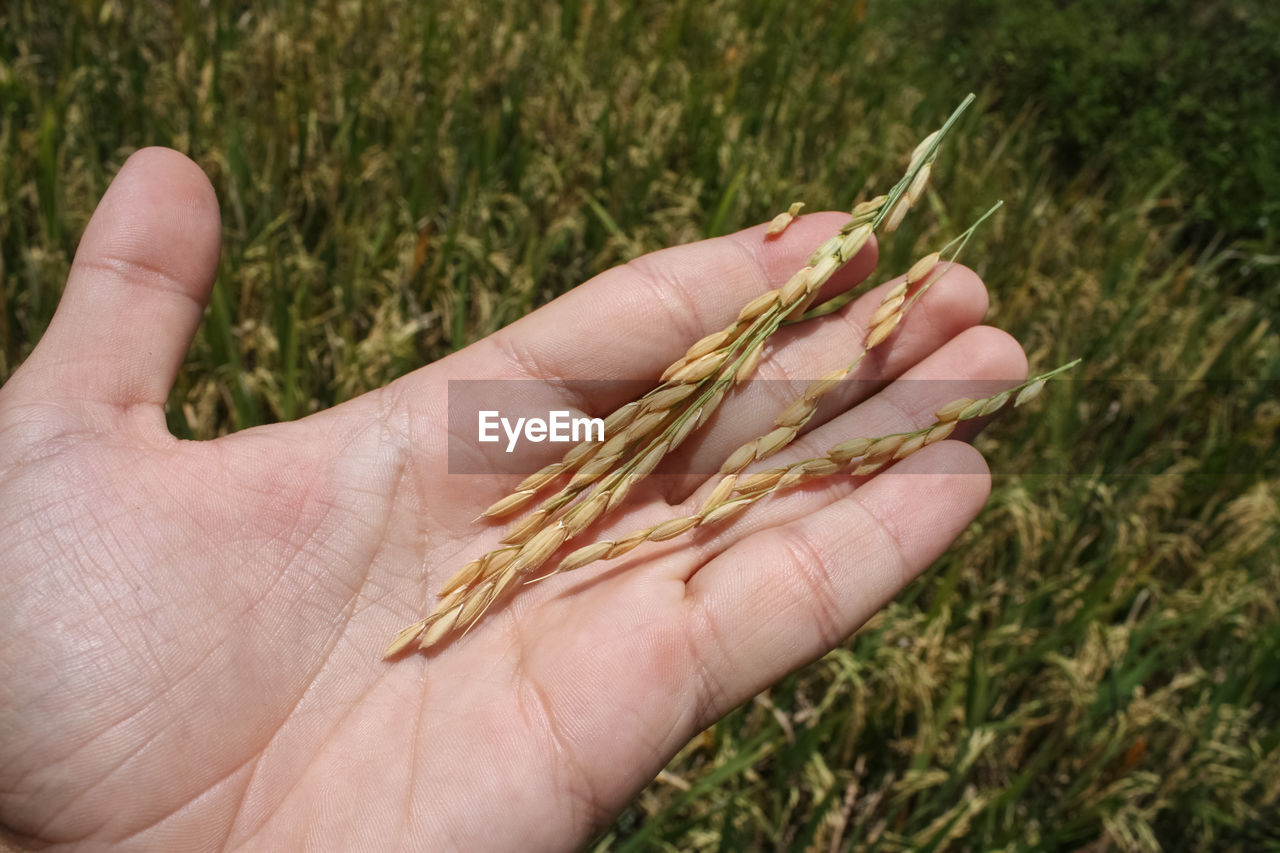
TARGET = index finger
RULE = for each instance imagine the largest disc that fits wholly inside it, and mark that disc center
(631, 322)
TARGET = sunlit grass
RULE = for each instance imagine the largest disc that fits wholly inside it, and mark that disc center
(1095, 661)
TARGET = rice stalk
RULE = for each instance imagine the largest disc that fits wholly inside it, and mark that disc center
(858, 457)
(641, 433)
(888, 315)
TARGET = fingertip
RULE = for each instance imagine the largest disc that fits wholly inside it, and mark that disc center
(177, 167)
(987, 355)
(141, 277)
(788, 593)
(162, 179)
(957, 300)
(948, 483)
(961, 468)
(965, 286)
(159, 215)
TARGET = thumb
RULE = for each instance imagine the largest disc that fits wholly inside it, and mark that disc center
(137, 288)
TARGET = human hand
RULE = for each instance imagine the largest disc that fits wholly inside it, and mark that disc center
(190, 632)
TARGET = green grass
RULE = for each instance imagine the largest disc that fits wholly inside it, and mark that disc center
(1094, 663)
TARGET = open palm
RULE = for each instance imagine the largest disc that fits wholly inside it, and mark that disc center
(190, 632)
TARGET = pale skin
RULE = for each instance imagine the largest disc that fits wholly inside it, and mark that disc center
(191, 632)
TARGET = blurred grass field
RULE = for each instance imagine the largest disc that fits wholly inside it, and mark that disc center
(1096, 664)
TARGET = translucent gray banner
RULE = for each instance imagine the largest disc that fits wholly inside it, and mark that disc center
(1075, 428)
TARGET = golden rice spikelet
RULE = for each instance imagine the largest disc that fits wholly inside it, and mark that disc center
(883, 330)
(854, 241)
(951, 411)
(405, 638)
(699, 369)
(672, 369)
(883, 449)
(889, 306)
(581, 557)
(665, 398)
(594, 469)
(618, 493)
(810, 470)
(819, 467)
(440, 628)
(868, 466)
(779, 223)
(709, 408)
(740, 458)
(782, 220)
(649, 461)
(897, 214)
(537, 550)
(582, 452)
(673, 528)
(911, 445)
(465, 576)
(758, 306)
(615, 445)
(795, 287)
(918, 183)
(994, 404)
(749, 364)
(922, 149)
(496, 561)
(761, 480)
(847, 451)
(585, 514)
(682, 432)
(830, 245)
(455, 597)
(476, 604)
(774, 440)
(797, 413)
(644, 425)
(920, 269)
(509, 504)
(522, 531)
(1026, 395)
(823, 270)
(721, 492)
(939, 432)
(727, 511)
(825, 383)
(868, 209)
(620, 418)
(627, 543)
(711, 342)
(793, 477)
(541, 477)
(508, 579)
